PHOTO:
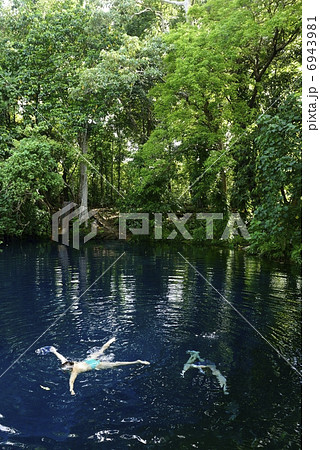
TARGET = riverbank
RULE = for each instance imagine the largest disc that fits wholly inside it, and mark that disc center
(106, 222)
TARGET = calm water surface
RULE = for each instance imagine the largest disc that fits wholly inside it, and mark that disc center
(157, 307)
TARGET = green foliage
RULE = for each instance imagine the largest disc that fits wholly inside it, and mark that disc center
(139, 99)
(276, 225)
(29, 183)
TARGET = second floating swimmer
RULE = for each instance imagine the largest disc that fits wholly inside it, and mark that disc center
(195, 362)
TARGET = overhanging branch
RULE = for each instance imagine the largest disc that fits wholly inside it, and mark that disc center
(185, 4)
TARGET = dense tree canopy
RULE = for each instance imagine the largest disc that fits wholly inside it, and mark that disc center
(153, 106)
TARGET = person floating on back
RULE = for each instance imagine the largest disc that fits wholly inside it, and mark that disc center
(195, 362)
(91, 363)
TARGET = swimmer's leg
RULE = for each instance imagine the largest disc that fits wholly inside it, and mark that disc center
(185, 368)
(222, 380)
(111, 365)
(107, 345)
(72, 379)
(100, 352)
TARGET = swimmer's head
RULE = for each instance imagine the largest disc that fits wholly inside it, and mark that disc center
(68, 365)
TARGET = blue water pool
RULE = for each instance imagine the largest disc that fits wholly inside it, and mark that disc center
(158, 307)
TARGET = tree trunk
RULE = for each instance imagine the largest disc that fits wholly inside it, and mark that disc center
(111, 175)
(223, 183)
(83, 191)
(119, 170)
(65, 191)
(102, 169)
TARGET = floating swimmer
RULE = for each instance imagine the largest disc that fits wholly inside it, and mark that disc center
(91, 363)
(195, 362)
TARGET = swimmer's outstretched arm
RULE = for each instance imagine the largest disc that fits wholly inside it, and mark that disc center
(58, 355)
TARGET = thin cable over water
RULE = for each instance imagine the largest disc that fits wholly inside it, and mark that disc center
(61, 315)
(243, 317)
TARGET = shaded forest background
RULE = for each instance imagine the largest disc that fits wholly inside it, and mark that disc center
(153, 106)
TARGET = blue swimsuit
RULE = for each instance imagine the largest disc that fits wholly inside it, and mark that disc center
(93, 363)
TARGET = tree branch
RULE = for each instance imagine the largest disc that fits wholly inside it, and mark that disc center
(185, 4)
(276, 48)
